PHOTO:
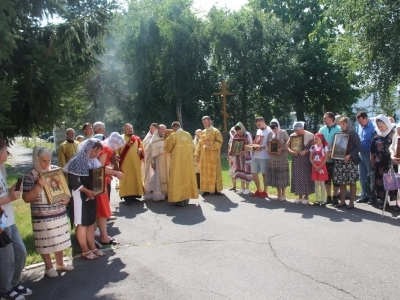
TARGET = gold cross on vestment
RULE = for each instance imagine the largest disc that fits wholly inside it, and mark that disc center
(184, 138)
(224, 93)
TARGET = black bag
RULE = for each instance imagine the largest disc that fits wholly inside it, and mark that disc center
(4, 239)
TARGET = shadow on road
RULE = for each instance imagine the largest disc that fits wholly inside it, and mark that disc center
(358, 214)
(98, 274)
(221, 203)
(188, 215)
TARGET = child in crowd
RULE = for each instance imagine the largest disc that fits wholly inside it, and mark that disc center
(319, 154)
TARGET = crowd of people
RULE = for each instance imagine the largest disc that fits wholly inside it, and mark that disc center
(169, 165)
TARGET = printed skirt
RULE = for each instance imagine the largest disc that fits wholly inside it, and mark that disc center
(278, 173)
(345, 172)
(50, 228)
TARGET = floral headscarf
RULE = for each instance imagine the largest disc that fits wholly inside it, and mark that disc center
(242, 128)
(81, 163)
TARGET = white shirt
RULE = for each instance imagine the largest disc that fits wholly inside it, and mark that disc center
(8, 209)
(263, 154)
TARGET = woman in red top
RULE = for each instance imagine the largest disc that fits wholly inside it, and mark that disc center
(114, 142)
(319, 154)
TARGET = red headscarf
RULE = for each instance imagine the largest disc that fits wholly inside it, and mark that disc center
(321, 136)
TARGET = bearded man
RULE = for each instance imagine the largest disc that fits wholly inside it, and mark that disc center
(131, 155)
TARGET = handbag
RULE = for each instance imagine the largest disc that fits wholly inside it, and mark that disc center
(391, 180)
(4, 239)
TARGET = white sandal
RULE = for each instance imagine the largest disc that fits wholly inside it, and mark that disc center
(89, 255)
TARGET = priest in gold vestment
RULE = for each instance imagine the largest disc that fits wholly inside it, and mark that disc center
(131, 154)
(182, 179)
(208, 154)
(67, 148)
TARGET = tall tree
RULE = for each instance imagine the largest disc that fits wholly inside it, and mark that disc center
(41, 63)
(368, 43)
(322, 83)
(164, 50)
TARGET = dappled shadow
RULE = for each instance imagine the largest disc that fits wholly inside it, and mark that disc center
(189, 215)
(86, 280)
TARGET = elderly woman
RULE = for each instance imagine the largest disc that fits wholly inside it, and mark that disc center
(113, 143)
(278, 165)
(49, 221)
(380, 155)
(345, 172)
(84, 201)
(301, 183)
(243, 161)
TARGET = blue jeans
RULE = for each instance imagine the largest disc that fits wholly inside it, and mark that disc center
(364, 168)
(12, 260)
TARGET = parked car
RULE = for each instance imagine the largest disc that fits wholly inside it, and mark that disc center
(51, 139)
(45, 136)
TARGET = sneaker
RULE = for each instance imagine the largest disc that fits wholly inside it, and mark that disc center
(65, 267)
(12, 295)
(240, 191)
(316, 203)
(362, 200)
(232, 189)
(51, 272)
(335, 200)
(298, 201)
(263, 194)
(246, 192)
(256, 194)
(23, 290)
(304, 202)
(97, 232)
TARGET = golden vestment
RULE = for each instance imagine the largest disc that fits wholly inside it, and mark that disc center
(132, 183)
(210, 160)
(182, 183)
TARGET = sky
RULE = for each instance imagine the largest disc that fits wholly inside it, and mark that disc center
(204, 5)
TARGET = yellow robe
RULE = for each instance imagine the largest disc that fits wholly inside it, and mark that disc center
(210, 160)
(132, 183)
(66, 151)
(182, 183)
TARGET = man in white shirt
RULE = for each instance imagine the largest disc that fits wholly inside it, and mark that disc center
(260, 157)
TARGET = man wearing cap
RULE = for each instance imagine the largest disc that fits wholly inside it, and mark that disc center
(365, 131)
(328, 131)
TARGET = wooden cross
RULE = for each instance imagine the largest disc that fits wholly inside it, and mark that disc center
(224, 93)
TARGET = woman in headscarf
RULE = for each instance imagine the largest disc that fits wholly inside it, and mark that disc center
(231, 160)
(113, 143)
(243, 161)
(84, 200)
(380, 155)
(301, 183)
(49, 221)
(345, 172)
(277, 164)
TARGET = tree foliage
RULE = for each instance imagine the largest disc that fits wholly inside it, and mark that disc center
(42, 63)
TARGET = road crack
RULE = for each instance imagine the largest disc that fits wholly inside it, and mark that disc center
(275, 253)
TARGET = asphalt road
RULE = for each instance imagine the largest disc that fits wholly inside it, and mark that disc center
(234, 247)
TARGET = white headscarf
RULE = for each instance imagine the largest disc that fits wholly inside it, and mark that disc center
(387, 122)
(114, 141)
(276, 135)
(298, 125)
(37, 153)
(81, 163)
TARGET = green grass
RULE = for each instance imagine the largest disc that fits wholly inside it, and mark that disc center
(24, 223)
(227, 182)
(30, 143)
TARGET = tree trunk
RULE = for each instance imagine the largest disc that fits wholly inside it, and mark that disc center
(299, 107)
(179, 113)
